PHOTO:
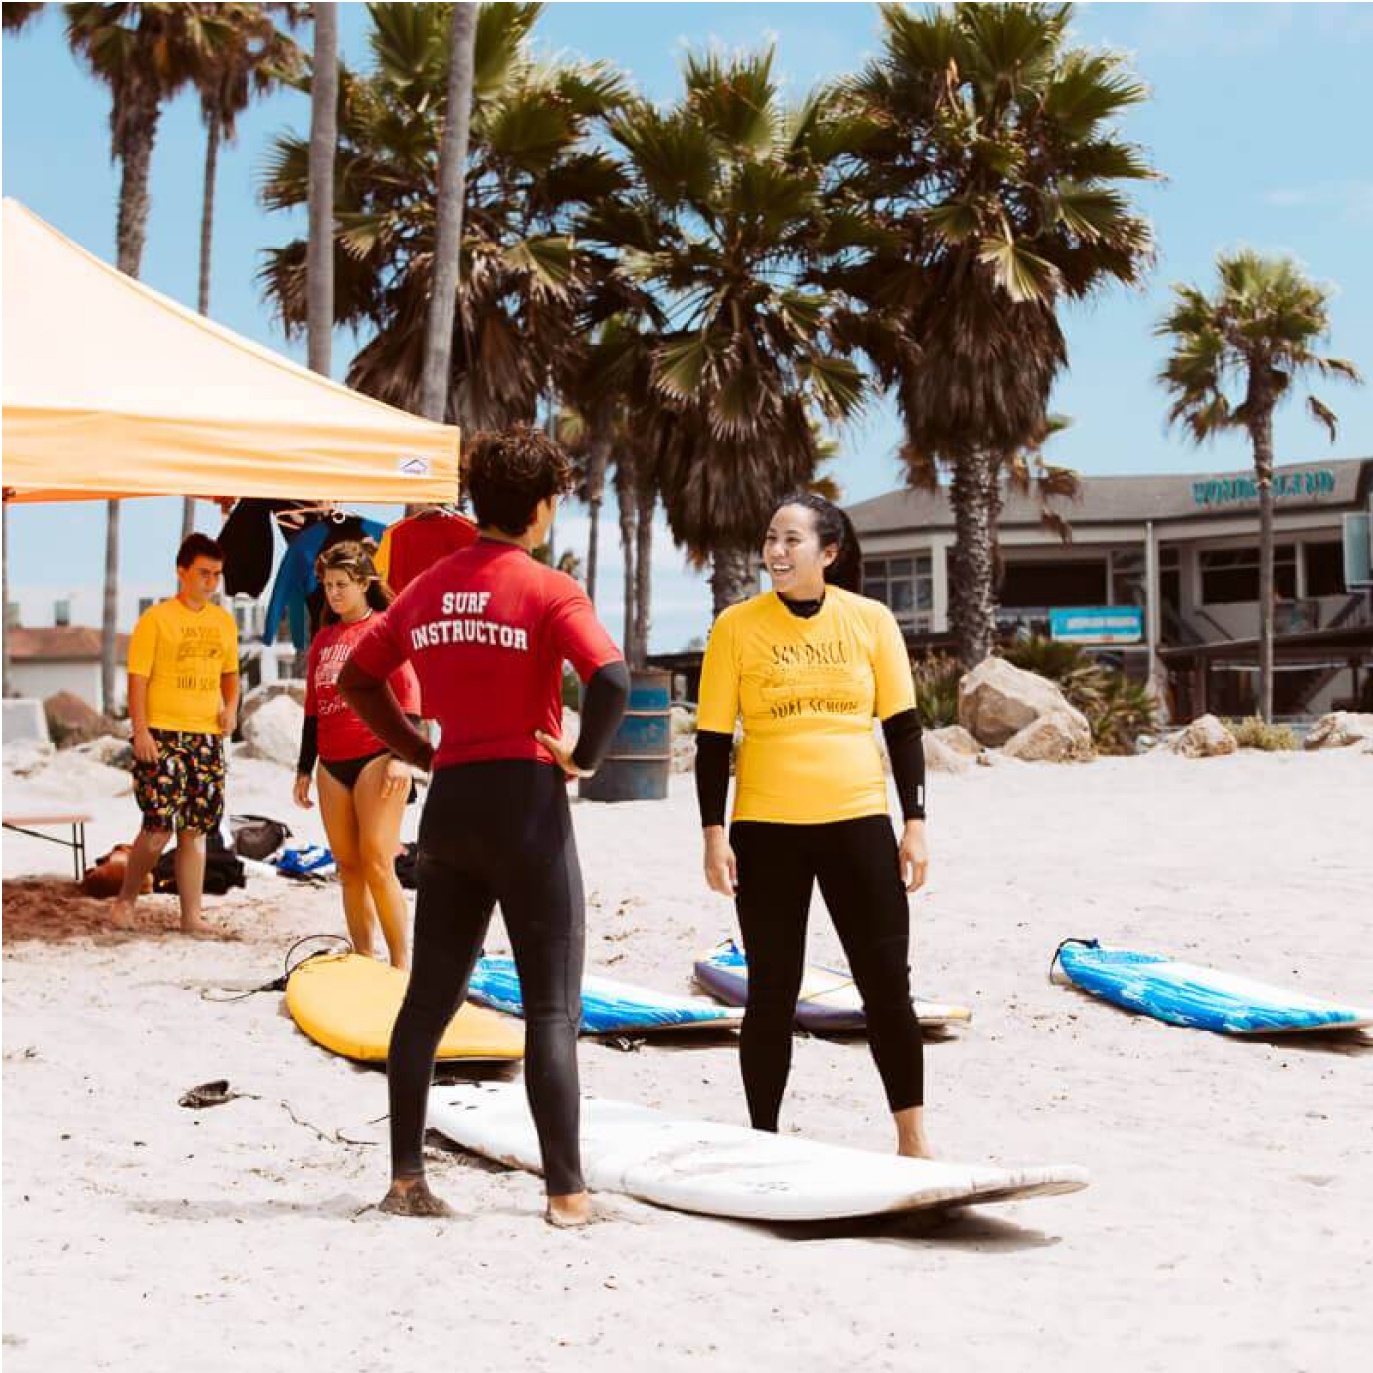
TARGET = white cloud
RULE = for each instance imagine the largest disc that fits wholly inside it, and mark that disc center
(1351, 200)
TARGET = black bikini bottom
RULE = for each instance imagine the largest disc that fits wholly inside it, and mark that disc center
(346, 771)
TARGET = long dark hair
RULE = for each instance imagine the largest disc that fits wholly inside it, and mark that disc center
(356, 560)
(833, 526)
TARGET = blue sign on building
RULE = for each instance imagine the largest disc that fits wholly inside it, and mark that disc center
(1112, 624)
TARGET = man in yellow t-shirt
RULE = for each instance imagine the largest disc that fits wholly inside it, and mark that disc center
(183, 701)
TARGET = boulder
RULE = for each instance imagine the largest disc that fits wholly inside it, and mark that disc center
(1057, 737)
(684, 752)
(110, 750)
(273, 730)
(22, 720)
(74, 721)
(1205, 737)
(258, 696)
(996, 700)
(1340, 729)
(683, 721)
(957, 738)
(27, 757)
(75, 774)
(942, 757)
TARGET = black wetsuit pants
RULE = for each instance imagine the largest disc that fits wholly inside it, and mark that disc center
(857, 866)
(496, 832)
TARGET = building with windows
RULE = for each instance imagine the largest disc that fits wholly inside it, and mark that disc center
(1162, 575)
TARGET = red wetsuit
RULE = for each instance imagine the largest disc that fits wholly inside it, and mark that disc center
(341, 734)
(488, 630)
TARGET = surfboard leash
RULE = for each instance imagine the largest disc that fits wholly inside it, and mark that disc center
(278, 984)
(1063, 944)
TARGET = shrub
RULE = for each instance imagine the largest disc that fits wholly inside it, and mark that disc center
(936, 689)
(1256, 732)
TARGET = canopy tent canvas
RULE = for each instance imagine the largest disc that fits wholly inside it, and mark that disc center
(112, 389)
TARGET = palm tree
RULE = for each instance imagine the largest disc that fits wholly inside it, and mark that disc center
(144, 53)
(1235, 355)
(246, 55)
(530, 167)
(319, 257)
(991, 173)
(457, 115)
(725, 225)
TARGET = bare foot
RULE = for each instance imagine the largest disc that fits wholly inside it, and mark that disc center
(915, 1148)
(569, 1212)
(121, 914)
(199, 929)
(412, 1197)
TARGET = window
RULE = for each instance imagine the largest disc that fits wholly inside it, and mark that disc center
(62, 612)
(146, 603)
(905, 584)
(1039, 585)
(1324, 569)
(1231, 575)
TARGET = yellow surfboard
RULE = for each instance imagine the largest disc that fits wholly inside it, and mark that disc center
(348, 1004)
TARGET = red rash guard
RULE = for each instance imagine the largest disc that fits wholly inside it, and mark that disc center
(488, 630)
(341, 734)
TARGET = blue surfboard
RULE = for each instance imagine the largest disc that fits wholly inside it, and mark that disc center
(1196, 997)
(608, 1006)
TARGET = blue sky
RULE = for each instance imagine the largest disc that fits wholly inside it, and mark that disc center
(1254, 119)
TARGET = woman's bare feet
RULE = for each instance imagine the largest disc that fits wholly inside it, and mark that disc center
(121, 914)
(570, 1211)
(412, 1197)
(200, 929)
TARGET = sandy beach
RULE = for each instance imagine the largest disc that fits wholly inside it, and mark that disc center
(1229, 1223)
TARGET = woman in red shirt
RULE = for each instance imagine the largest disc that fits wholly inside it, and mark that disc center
(363, 787)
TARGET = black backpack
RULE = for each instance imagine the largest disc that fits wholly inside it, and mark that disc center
(222, 868)
(257, 836)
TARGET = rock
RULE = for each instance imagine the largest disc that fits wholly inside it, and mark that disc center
(684, 752)
(1205, 737)
(78, 776)
(1053, 738)
(273, 730)
(1340, 729)
(110, 750)
(958, 739)
(22, 720)
(683, 721)
(74, 721)
(254, 700)
(940, 757)
(27, 757)
(996, 700)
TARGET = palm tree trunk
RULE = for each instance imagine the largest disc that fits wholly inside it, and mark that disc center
(1262, 433)
(319, 264)
(646, 498)
(598, 459)
(972, 593)
(438, 332)
(731, 577)
(207, 226)
(135, 153)
(624, 498)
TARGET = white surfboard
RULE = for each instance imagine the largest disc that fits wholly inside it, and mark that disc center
(727, 1170)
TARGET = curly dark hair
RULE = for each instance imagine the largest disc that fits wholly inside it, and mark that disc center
(509, 472)
(356, 560)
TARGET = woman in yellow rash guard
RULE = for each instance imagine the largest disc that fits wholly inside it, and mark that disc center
(807, 666)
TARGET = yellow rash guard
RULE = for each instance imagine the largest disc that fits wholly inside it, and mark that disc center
(807, 690)
(183, 654)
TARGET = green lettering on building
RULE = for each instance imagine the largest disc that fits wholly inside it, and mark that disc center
(1229, 490)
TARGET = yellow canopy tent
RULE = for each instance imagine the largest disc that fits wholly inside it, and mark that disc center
(111, 389)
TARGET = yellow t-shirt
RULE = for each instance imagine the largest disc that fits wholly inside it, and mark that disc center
(807, 690)
(183, 653)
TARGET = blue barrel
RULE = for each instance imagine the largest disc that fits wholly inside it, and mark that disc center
(640, 758)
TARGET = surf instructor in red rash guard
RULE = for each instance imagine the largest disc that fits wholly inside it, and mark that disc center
(487, 630)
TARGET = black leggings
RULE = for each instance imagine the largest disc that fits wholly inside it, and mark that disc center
(858, 868)
(496, 831)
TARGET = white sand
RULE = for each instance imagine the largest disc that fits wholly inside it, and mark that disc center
(1229, 1223)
